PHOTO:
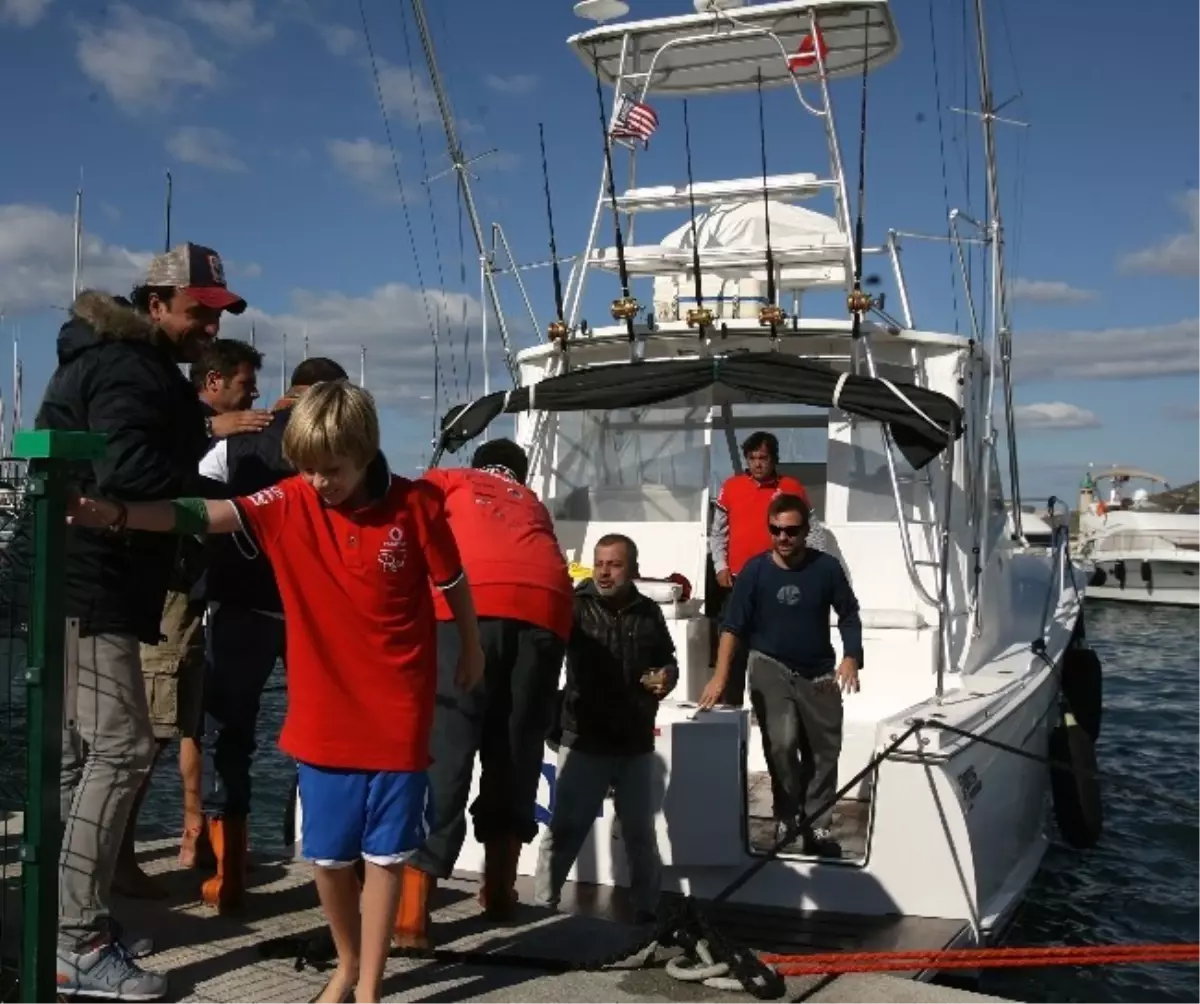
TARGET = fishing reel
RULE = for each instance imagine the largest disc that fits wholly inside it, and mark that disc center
(859, 302)
(771, 316)
(625, 308)
(700, 317)
(558, 331)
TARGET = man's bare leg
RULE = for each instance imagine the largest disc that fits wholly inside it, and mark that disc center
(339, 893)
(192, 847)
(380, 898)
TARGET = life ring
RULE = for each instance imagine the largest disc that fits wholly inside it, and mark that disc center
(1077, 803)
(1083, 688)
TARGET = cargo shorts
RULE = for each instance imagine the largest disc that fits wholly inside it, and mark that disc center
(174, 670)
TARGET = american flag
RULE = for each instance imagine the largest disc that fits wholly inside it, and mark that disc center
(635, 120)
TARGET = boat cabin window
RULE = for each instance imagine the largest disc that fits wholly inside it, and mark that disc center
(631, 465)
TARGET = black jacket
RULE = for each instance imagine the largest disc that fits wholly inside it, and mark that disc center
(254, 461)
(605, 707)
(118, 376)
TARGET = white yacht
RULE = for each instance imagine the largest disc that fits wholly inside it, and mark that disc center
(893, 428)
(631, 426)
(1141, 549)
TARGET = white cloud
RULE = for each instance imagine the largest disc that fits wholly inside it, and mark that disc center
(1178, 255)
(1047, 291)
(407, 94)
(23, 13)
(1055, 415)
(369, 164)
(518, 83)
(251, 270)
(141, 60)
(391, 321)
(1109, 353)
(339, 39)
(36, 256)
(232, 21)
(205, 147)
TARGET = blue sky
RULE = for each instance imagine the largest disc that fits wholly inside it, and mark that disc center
(266, 113)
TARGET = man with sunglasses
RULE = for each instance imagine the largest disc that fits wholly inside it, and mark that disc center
(779, 614)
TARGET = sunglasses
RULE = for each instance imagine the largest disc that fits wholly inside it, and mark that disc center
(791, 532)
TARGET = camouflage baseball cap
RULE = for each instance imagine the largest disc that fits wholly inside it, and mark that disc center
(197, 271)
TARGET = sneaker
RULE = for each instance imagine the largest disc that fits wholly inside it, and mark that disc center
(781, 833)
(107, 972)
(821, 844)
(138, 948)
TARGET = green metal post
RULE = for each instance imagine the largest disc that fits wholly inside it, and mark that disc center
(50, 453)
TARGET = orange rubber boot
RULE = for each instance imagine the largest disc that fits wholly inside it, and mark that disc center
(412, 916)
(227, 889)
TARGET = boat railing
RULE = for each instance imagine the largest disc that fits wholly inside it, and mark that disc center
(1154, 541)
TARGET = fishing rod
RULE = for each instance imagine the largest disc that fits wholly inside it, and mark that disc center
(858, 301)
(770, 313)
(699, 315)
(625, 308)
(558, 327)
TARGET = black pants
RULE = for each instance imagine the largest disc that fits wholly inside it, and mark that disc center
(244, 647)
(801, 724)
(505, 719)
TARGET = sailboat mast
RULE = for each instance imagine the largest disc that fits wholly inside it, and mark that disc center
(1001, 335)
(78, 254)
(460, 168)
(167, 240)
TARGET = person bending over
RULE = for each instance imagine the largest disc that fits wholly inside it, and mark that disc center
(353, 548)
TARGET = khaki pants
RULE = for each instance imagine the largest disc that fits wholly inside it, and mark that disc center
(174, 671)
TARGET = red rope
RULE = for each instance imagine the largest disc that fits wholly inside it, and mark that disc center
(981, 958)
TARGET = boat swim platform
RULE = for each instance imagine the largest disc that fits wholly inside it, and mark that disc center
(214, 958)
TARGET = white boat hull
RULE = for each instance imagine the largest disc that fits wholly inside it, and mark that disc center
(1149, 578)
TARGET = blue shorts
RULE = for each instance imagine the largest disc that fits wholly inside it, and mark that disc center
(378, 815)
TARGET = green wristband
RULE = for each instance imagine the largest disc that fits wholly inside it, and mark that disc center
(191, 516)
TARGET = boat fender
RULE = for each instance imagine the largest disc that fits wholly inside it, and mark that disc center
(1119, 572)
(1099, 577)
(1077, 804)
(1147, 576)
(1083, 688)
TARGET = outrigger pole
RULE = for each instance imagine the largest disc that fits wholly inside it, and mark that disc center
(460, 168)
(770, 313)
(558, 330)
(625, 308)
(699, 316)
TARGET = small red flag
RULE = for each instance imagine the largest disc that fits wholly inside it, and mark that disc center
(806, 55)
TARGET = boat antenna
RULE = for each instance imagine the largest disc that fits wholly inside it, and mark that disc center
(770, 313)
(858, 301)
(167, 241)
(625, 308)
(558, 327)
(699, 316)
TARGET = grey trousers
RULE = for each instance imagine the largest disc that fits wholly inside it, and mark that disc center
(583, 781)
(104, 760)
(801, 724)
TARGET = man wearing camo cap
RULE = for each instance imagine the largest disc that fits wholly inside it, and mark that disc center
(118, 373)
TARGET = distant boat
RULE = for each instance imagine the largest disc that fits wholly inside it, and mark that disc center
(1144, 548)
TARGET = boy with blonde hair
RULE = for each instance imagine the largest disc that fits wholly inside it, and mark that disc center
(353, 548)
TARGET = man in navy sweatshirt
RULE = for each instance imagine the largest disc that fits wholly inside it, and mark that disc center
(779, 610)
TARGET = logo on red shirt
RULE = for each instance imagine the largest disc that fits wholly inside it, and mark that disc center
(267, 496)
(393, 551)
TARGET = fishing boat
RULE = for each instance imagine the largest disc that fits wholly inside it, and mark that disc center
(1142, 549)
(969, 633)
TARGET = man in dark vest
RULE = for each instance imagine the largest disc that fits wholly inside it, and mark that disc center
(246, 635)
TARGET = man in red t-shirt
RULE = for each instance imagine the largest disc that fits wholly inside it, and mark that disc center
(739, 529)
(523, 595)
(354, 550)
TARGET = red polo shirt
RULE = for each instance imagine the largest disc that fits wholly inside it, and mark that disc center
(745, 502)
(510, 554)
(361, 632)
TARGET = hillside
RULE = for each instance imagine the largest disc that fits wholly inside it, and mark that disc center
(1187, 495)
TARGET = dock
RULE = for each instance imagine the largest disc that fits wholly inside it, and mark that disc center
(214, 958)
